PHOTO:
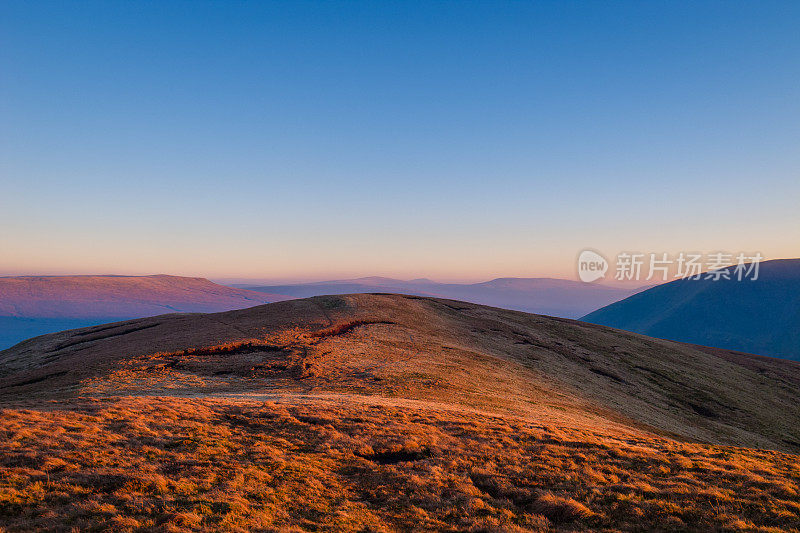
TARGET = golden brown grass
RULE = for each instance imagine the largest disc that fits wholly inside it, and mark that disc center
(177, 464)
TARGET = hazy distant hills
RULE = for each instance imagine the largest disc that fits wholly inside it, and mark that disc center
(34, 305)
(761, 317)
(546, 296)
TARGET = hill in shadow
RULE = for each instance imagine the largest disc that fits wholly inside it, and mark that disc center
(760, 317)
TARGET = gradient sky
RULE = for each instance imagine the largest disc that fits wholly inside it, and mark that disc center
(453, 140)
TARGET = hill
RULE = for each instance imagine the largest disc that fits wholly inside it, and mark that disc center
(547, 296)
(760, 317)
(34, 305)
(391, 412)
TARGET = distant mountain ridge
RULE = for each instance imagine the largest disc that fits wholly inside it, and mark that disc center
(760, 317)
(34, 305)
(548, 296)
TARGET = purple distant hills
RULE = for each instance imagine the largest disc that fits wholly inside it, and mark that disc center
(35, 305)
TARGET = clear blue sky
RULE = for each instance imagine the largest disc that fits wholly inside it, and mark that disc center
(454, 140)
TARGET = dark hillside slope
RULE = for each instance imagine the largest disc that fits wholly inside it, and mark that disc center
(760, 317)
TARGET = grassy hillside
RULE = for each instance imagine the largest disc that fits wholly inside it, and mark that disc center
(388, 412)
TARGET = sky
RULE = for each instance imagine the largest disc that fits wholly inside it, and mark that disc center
(449, 140)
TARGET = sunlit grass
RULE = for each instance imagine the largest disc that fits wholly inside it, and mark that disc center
(177, 464)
